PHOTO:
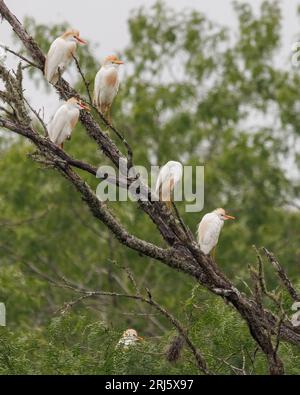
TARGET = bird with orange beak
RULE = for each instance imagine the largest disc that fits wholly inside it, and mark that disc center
(65, 120)
(60, 54)
(107, 82)
(129, 338)
(210, 228)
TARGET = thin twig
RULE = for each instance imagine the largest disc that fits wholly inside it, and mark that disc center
(86, 83)
(183, 225)
(38, 117)
(282, 275)
(7, 49)
(261, 279)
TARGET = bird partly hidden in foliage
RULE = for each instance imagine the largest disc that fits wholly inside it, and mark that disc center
(169, 176)
(60, 54)
(129, 338)
(65, 120)
(209, 230)
(107, 82)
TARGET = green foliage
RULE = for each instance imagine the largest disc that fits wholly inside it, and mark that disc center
(191, 93)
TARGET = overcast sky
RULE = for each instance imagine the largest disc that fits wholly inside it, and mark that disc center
(105, 22)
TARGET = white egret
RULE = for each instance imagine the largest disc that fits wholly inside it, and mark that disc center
(209, 229)
(65, 120)
(129, 338)
(107, 82)
(168, 177)
(60, 54)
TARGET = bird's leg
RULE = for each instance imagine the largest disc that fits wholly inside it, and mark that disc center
(106, 116)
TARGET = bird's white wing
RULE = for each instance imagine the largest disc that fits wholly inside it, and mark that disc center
(127, 341)
(58, 124)
(106, 87)
(97, 86)
(165, 185)
(208, 233)
(163, 177)
(55, 59)
(176, 171)
(171, 171)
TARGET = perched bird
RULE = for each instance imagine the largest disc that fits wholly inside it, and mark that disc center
(60, 54)
(65, 120)
(169, 175)
(129, 338)
(107, 84)
(209, 229)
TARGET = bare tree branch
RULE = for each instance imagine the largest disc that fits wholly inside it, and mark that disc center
(7, 49)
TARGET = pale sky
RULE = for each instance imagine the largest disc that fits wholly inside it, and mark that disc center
(104, 22)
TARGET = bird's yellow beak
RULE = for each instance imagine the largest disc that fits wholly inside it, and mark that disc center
(140, 338)
(85, 107)
(81, 41)
(118, 62)
(226, 216)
